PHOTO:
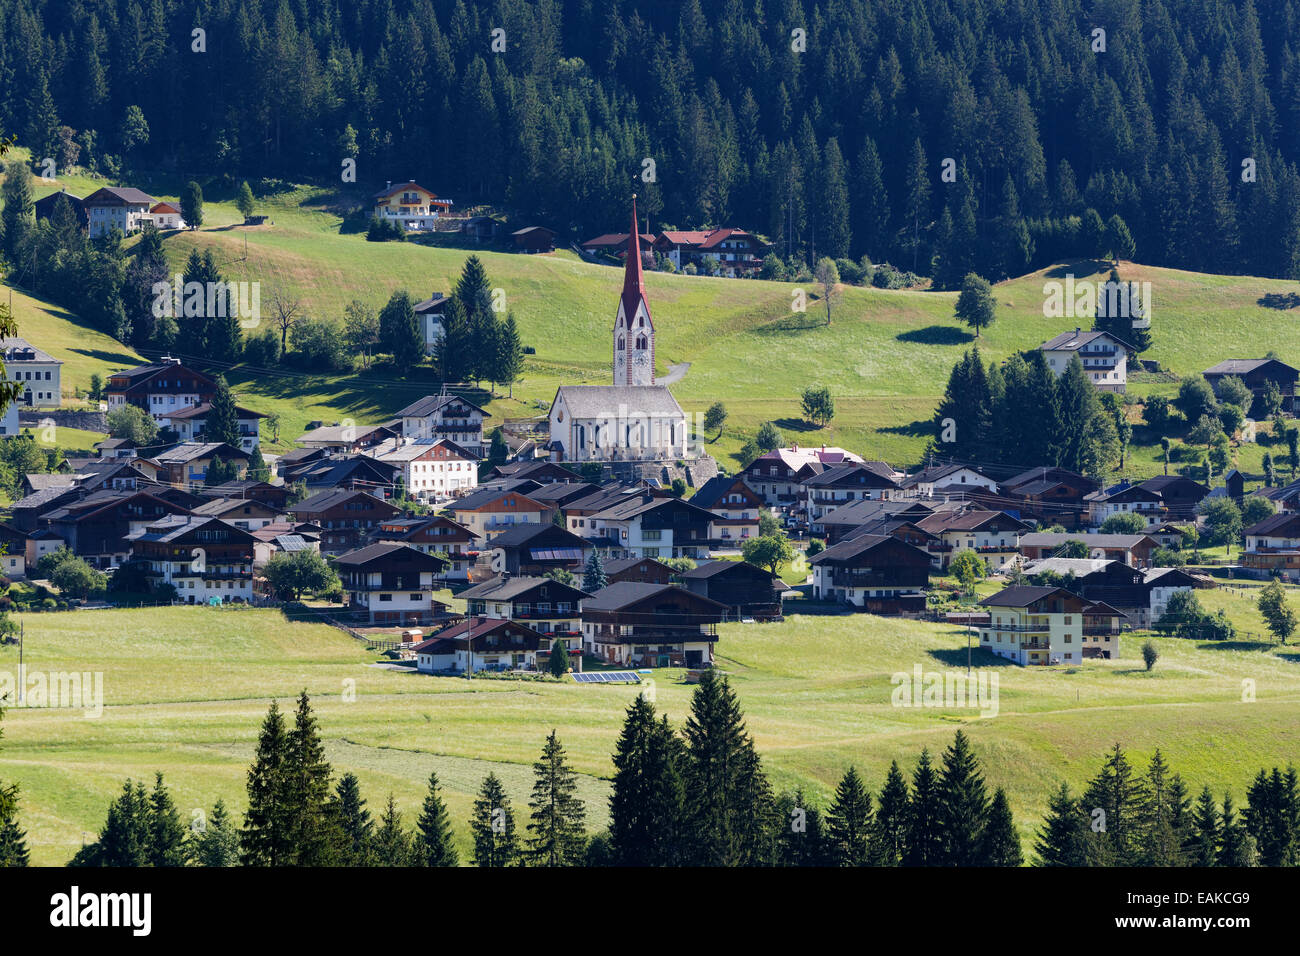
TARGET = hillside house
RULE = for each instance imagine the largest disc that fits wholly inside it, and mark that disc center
(1048, 625)
(44, 207)
(392, 585)
(204, 558)
(1104, 357)
(187, 464)
(550, 608)
(647, 526)
(843, 484)
(992, 535)
(431, 315)
(166, 386)
(878, 574)
(777, 475)
(39, 371)
(97, 527)
(1258, 375)
(190, 423)
(479, 644)
(748, 591)
(431, 469)
(243, 513)
(1132, 549)
(123, 209)
(166, 216)
(346, 518)
(641, 570)
(533, 549)
(735, 508)
(731, 252)
(650, 625)
(435, 535)
(1050, 496)
(410, 206)
(447, 417)
(348, 439)
(928, 482)
(534, 239)
(1273, 546)
(488, 511)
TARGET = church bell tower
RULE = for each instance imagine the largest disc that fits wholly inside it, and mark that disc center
(634, 330)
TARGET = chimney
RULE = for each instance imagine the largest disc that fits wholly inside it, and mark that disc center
(389, 184)
(1077, 330)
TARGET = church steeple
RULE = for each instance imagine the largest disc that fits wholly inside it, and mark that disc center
(634, 331)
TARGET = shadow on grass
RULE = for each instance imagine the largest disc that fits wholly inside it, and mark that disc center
(792, 323)
(795, 425)
(1236, 646)
(112, 358)
(1080, 269)
(1279, 300)
(917, 429)
(936, 335)
(979, 657)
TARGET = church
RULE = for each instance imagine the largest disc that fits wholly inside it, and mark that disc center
(634, 419)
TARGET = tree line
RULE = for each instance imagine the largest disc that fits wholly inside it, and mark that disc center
(989, 140)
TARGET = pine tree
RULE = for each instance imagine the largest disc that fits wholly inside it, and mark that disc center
(1000, 843)
(13, 839)
(890, 828)
(399, 331)
(963, 805)
(730, 809)
(557, 663)
(1064, 839)
(126, 837)
(496, 842)
(848, 821)
(434, 841)
(646, 803)
(244, 201)
(509, 354)
(593, 574)
(556, 819)
(1203, 847)
(474, 288)
(924, 836)
(167, 840)
(265, 838)
(1121, 795)
(802, 839)
(451, 352)
(353, 822)
(1238, 847)
(312, 831)
(217, 844)
(392, 844)
(222, 424)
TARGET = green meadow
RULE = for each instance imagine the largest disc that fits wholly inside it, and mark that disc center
(185, 690)
(885, 355)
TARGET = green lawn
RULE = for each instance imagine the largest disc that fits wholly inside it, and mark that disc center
(885, 356)
(186, 688)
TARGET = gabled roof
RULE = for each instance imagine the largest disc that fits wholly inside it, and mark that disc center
(485, 497)
(942, 521)
(711, 493)
(509, 587)
(385, 550)
(522, 535)
(117, 196)
(1245, 366)
(852, 548)
(619, 565)
(711, 569)
(15, 349)
(1022, 596)
(342, 434)
(1051, 539)
(471, 629)
(1282, 523)
(332, 497)
(1074, 340)
(625, 594)
(852, 474)
(796, 457)
(430, 404)
(603, 401)
(202, 409)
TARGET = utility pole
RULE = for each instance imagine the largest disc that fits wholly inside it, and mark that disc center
(22, 679)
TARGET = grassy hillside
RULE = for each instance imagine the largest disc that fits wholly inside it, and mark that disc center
(885, 355)
(186, 689)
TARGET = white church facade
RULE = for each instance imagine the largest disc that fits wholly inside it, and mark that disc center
(634, 419)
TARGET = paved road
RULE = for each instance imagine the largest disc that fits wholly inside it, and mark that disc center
(675, 374)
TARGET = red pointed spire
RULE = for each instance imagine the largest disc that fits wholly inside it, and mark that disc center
(633, 279)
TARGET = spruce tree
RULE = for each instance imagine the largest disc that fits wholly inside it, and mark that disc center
(1064, 838)
(126, 837)
(730, 809)
(434, 842)
(13, 839)
(1000, 843)
(593, 574)
(890, 828)
(354, 826)
(925, 846)
(313, 834)
(646, 803)
(496, 842)
(558, 662)
(963, 805)
(848, 821)
(509, 361)
(217, 844)
(1203, 847)
(1237, 846)
(167, 836)
(222, 424)
(399, 331)
(1122, 796)
(392, 844)
(802, 838)
(557, 817)
(265, 839)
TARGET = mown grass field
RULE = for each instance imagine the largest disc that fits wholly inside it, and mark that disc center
(186, 688)
(885, 355)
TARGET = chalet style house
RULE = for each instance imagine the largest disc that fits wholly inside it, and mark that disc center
(875, 573)
(1141, 596)
(634, 419)
(1050, 496)
(1132, 549)
(204, 558)
(734, 252)
(939, 480)
(346, 439)
(273, 496)
(647, 526)
(749, 592)
(1048, 625)
(98, 526)
(842, 484)
(1258, 374)
(39, 372)
(643, 570)
(992, 535)
(121, 208)
(1104, 357)
(479, 644)
(650, 625)
(189, 423)
(346, 518)
(243, 513)
(535, 548)
(431, 469)
(410, 206)
(550, 608)
(735, 508)
(778, 475)
(490, 511)
(392, 584)
(167, 386)
(1156, 499)
(435, 535)
(186, 464)
(1273, 546)
(447, 417)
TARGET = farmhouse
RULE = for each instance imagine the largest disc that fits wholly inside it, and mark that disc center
(1104, 357)
(435, 535)
(1273, 546)
(347, 438)
(202, 557)
(1048, 625)
(166, 216)
(392, 584)
(534, 239)
(1132, 549)
(777, 475)
(187, 464)
(167, 386)
(490, 511)
(123, 209)
(97, 527)
(731, 252)
(550, 608)
(351, 472)
(447, 417)
(38, 371)
(1259, 375)
(346, 517)
(431, 469)
(1050, 495)
(478, 644)
(648, 526)
(747, 591)
(928, 482)
(650, 625)
(875, 573)
(535, 548)
(644, 570)
(735, 507)
(273, 496)
(410, 206)
(243, 513)
(992, 535)
(190, 422)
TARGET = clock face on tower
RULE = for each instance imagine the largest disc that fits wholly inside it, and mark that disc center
(640, 360)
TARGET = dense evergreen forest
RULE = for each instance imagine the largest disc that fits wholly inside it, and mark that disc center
(823, 126)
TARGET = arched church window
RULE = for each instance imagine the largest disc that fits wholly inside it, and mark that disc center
(621, 343)
(640, 341)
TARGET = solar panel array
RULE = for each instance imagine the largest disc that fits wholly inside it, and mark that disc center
(606, 677)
